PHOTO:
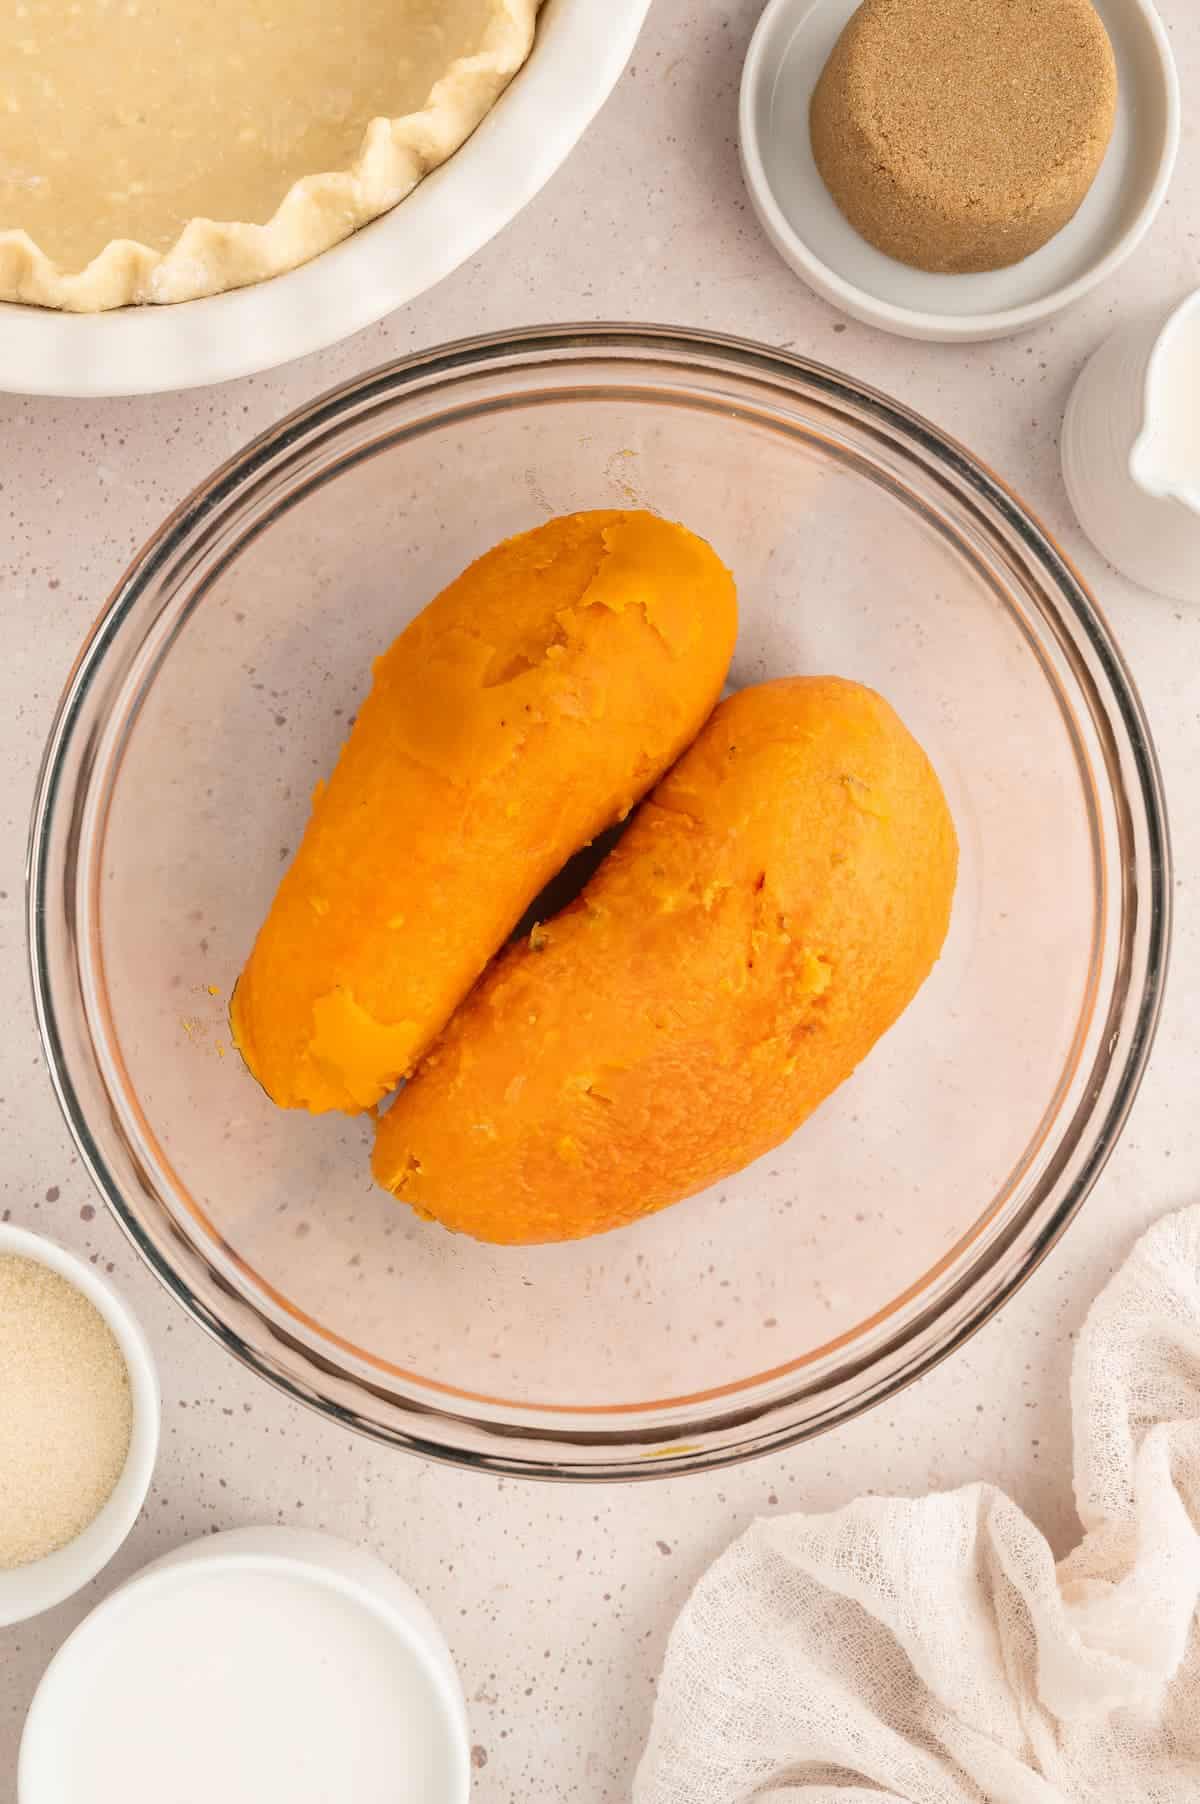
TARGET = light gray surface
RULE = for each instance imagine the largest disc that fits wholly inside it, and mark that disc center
(557, 1602)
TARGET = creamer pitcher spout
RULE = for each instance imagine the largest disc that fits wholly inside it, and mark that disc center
(1165, 459)
(1131, 450)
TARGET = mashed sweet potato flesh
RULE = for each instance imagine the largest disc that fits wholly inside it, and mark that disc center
(523, 711)
(771, 910)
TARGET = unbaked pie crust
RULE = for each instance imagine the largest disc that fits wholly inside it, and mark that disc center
(140, 139)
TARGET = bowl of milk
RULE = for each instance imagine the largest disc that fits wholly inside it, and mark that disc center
(262, 1663)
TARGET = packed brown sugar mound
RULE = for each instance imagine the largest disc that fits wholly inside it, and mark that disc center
(770, 911)
(523, 711)
(961, 135)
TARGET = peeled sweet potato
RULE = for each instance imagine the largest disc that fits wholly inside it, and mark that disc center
(769, 912)
(523, 711)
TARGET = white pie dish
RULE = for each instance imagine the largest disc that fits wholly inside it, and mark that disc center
(580, 51)
(207, 165)
(789, 49)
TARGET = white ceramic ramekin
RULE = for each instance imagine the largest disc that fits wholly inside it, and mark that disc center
(27, 1590)
(787, 53)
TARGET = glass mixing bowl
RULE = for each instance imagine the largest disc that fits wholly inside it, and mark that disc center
(214, 691)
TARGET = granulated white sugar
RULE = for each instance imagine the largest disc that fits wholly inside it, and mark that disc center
(66, 1412)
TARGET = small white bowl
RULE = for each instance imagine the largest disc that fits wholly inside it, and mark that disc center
(28, 1590)
(213, 1662)
(787, 53)
(580, 51)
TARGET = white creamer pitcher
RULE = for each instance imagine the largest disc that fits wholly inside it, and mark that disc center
(1131, 451)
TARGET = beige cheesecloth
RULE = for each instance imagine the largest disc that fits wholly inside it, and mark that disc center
(933, 1652)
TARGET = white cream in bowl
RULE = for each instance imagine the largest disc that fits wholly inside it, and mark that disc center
(257, 1665)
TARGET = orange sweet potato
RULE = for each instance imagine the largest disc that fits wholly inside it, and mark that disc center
(770, 911)
(522, 712)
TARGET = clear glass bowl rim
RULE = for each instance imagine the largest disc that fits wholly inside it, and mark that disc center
(743, 1428)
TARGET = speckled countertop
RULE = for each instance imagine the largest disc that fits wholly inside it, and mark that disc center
(557, 1601)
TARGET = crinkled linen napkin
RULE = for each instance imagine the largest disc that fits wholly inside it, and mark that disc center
(932, 1652)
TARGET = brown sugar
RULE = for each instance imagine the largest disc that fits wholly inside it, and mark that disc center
(961, 135)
